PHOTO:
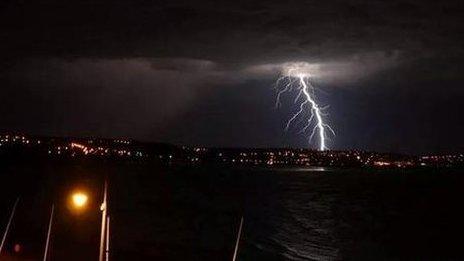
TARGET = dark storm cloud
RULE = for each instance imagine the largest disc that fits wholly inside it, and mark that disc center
(230, 31)
(234, 34)
(102, 67)
(103, 94)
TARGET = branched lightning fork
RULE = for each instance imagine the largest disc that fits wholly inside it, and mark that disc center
(296, 77)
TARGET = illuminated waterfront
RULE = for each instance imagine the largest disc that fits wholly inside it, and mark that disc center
(290, 213)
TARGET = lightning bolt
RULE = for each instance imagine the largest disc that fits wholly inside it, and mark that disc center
(297, 77)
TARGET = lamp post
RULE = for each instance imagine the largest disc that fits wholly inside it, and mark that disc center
(78, 201)
(103, 208)
(107, 251)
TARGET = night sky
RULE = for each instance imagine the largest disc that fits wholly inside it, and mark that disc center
(202, 72)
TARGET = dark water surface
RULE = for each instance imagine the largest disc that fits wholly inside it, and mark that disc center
(194, 213)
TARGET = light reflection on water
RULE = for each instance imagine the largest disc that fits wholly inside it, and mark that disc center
(294, 215)
(304, 169)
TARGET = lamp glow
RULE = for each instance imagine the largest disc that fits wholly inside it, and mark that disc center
(79, 199)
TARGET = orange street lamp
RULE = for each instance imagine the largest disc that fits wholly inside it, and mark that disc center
(79, 200)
